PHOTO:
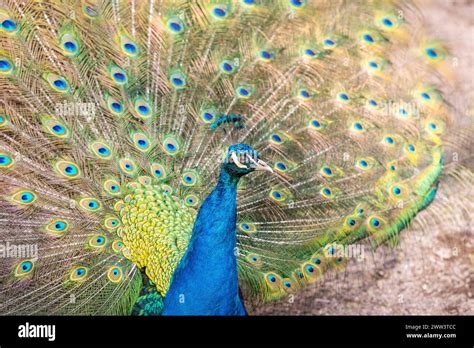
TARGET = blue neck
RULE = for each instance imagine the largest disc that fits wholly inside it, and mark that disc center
(205, 281)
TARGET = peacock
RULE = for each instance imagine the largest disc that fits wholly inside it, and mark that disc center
(178, 157)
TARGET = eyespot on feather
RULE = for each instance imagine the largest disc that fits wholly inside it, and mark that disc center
(115, 274)
(90, 204)
(57, 227)
(78, 274)
(111, 223)
(273, 281)
(247, 227)
(67, 169)
(24, 268)
(6, 161)
(97, 242)
(24, 197)
(171, 145)
(128, 167)
(158, 170)
(101, 150)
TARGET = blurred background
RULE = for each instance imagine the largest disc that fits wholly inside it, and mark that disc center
(431, 270)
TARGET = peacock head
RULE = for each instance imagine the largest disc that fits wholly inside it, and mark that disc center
(242, 159)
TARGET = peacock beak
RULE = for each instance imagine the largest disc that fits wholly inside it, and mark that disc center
(260, 165)
(263, 166)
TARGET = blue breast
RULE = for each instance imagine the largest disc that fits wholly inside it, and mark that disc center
(205, 281)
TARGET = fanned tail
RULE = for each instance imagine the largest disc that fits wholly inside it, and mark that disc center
(112, 111)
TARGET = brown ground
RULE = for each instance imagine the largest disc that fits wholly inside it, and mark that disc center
(430, 272)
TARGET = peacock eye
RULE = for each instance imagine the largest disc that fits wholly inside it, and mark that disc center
(219, 12)
(5, 66)
(373, 64)
(276, 138)
(67, 169)
(309, 52)
(315, 124)
(143, 109)
(244, 92)
(90, 11)
(24, 197)
(171, 145)
(326, 172)
(116, 106)
(374, 222)
(326, 192)
(129, 47)
(78, 274)
(9, 25)
(247, 227)
(24, 268)
(304, 94)
(3, 120)
(111, 223)
(227, 67)
(298, 4)
(343, 97)
(190, 178)
(265, 55)
(368, 38)
(281, 167)
(115, 274)
(58, 129)
(329, 42)
(175, 25)
(118, 75)
(387, 22)
(117, 246)
(97, 242)
(191, 200)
